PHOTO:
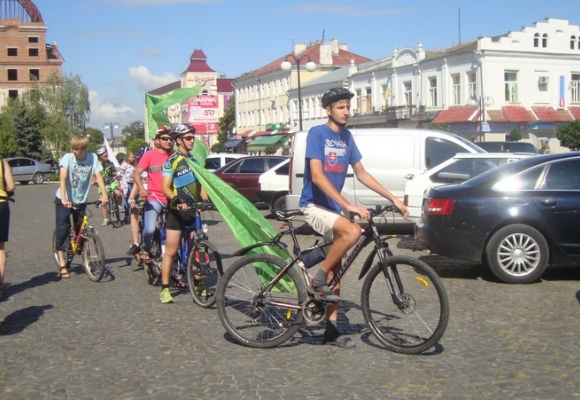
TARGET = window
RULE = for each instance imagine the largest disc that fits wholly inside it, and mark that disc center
(563, 175)
(433, 92)
(438, 150)
(545, 40)
(33, 52)
(252, 166)
(33, 39)
(572, 42)
(575, 88)
(455, 90)
(511, 86)
(472, 84)
(537, 40)
(408, 93)
(12, 51)
(367, 100)
(12, 74)
(35, 75)
(13, 94)
(524, 181)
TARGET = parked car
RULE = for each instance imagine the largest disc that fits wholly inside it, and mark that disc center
(274, 186)
(458, 169)
(243, 174)
(508, 147)
(517, 219)
(216, 161)
(25, 170)
(389, 154)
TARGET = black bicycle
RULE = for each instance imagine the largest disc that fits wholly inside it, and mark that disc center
(114, 210)
(262, 300)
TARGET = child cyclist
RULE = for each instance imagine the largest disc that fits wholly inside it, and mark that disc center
(111, 183)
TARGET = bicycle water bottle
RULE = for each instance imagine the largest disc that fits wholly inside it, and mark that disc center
(197, 221)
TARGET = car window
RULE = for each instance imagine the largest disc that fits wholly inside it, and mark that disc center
(491, 147)
(438, 150)
(13, 163)
(252, 166)
(283, 170)
(272, 162)
(527, 180)
(563, 175)
(230, 159)
(520, 147)
(463, 170)
(212, 163)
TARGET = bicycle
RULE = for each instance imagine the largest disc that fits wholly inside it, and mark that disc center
(83, 241)
(262, 300)
(113, 209)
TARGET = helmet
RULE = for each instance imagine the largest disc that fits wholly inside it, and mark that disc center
(142, 151)
(181, 130)
(101, 151)
(163, 129)
(334, 95)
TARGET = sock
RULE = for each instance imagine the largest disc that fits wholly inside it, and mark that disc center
(320, 278)
(164, 287)
(331, 327)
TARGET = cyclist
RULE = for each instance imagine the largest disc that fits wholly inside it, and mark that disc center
(6, 192)
(330, 149)
(77, 169)
(111, 183)
(151, 162)
(181, 186)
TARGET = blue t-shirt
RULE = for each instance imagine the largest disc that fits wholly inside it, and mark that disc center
(79, 174)
(336, 151)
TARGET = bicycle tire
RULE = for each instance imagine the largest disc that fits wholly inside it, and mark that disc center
(68, 254)
(402, 329)
(152, 268)
(113, 212)
(259, 325)
(94, 262)
(210, 270)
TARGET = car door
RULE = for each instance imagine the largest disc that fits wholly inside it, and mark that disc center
(558, 200)
(246, 179)
(19, 169)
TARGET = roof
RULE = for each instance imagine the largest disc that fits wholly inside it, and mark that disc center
(548, 114)
(224, 85)
(455, 114)
(198, 62)
(517, 114)
(575, 111)
(343, 58)
(166, 88)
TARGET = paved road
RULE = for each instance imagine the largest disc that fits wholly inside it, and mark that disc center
(76, 339)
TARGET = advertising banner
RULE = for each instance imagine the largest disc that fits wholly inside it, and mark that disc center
(203, 113)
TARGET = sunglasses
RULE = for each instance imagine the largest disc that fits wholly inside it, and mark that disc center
(165, 138)
(189, 138)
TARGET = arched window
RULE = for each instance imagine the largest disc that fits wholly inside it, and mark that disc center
(572, 42)
(537, 40)
(545, 40)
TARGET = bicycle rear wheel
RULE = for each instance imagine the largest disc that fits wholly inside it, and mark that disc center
(152, 267)
(93, 257)
(113, 212)
(254, 319)
(68, 254)
(420, 319)
(204, 269)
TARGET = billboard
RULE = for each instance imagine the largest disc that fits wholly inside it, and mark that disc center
(203, 113)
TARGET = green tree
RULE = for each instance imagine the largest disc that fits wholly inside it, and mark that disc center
(8, 144)
(136, 144)
(569, 135)
(438, 127)
(271, 149)
(135, 130)
(96, 140)
(515, 135)
(226, 125)
(28, 137)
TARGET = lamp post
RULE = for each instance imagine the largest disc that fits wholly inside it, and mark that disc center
(287, 66)
(111, 126)
(481, 103)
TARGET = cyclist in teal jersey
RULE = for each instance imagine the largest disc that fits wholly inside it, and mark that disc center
(109, 175)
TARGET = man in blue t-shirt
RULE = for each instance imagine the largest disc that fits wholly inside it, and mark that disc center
(330, 149)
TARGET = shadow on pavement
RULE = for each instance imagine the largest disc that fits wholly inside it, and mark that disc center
(36, 281)
(19, 320)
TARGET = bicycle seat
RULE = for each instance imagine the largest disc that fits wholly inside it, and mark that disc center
(284, 215)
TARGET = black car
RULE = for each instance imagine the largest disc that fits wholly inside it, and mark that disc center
(508, 147)
(517, 219)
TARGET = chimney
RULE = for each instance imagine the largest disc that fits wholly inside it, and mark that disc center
(334, 45)
(326, 54)
(299, 48)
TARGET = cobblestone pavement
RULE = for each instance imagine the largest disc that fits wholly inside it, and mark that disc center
(76, 339)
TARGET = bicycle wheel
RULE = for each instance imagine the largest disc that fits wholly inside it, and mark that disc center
(420, 320)
(152, 268)
(204, 263)
(254, 319)
(93, 257)
(113, 212)
(68, 254)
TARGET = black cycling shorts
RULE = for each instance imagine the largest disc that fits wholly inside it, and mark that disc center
(4, 220)
(177, 219)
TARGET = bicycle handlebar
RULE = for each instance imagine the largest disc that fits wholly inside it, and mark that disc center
(78, 206)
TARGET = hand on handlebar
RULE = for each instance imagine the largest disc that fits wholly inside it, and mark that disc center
(66, 203)
(401, 208)
(362, 212)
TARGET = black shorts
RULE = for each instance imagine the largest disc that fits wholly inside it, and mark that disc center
(177, 220)
(4, 220)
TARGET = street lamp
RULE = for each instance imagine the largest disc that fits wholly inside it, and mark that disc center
(111, 126)
(481, 105)
(287, 66)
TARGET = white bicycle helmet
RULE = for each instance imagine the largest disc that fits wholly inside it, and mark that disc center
(101, 151)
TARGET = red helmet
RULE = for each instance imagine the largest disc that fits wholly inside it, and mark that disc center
(163, 129)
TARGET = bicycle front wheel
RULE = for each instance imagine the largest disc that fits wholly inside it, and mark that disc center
(416, 317)
(255, 318)
(113, 212)
(93, 257)
(204, 269)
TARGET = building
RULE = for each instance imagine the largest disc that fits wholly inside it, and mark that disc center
(483, 89)
(205, 110)
(25, 57)
(263, 105)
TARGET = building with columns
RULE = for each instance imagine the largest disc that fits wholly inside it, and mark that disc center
(25, 57)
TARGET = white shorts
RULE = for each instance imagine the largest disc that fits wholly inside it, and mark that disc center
(320, 219)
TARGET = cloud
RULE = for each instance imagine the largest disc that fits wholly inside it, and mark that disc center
(148, 81)
(110, 111)
(351, 11)
(150, 52)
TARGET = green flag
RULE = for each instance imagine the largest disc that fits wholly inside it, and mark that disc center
(157, 104)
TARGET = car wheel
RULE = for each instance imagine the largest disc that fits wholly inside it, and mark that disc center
(279, 203)
(38, 178)
(517, 254)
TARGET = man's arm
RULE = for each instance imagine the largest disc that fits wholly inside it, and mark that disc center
(63, 173)
(8, 176)
(369, 181)
(139, 181)
(101, 185)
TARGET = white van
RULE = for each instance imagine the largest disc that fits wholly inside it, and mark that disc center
(391, 155)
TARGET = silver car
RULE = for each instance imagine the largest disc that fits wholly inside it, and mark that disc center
(25, 170)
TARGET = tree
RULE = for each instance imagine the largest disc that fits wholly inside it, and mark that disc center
(135, 130)
(515, 135)
(270, 149)
(136, 144)
(569, 135)
(8, 145)
(226, 125)
(96, 139)
(438, 127)
(28, 137)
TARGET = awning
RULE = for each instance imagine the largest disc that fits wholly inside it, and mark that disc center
(456, 115)
(233, 143)
(261, 142)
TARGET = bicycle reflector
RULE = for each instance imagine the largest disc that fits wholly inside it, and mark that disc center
(441, 207)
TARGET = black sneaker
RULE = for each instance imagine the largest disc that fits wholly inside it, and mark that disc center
(325, 294)
(133, 250)
(344, 342)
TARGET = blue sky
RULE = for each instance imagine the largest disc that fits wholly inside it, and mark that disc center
(124, 48)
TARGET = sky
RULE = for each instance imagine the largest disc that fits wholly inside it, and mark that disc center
(122, 49)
